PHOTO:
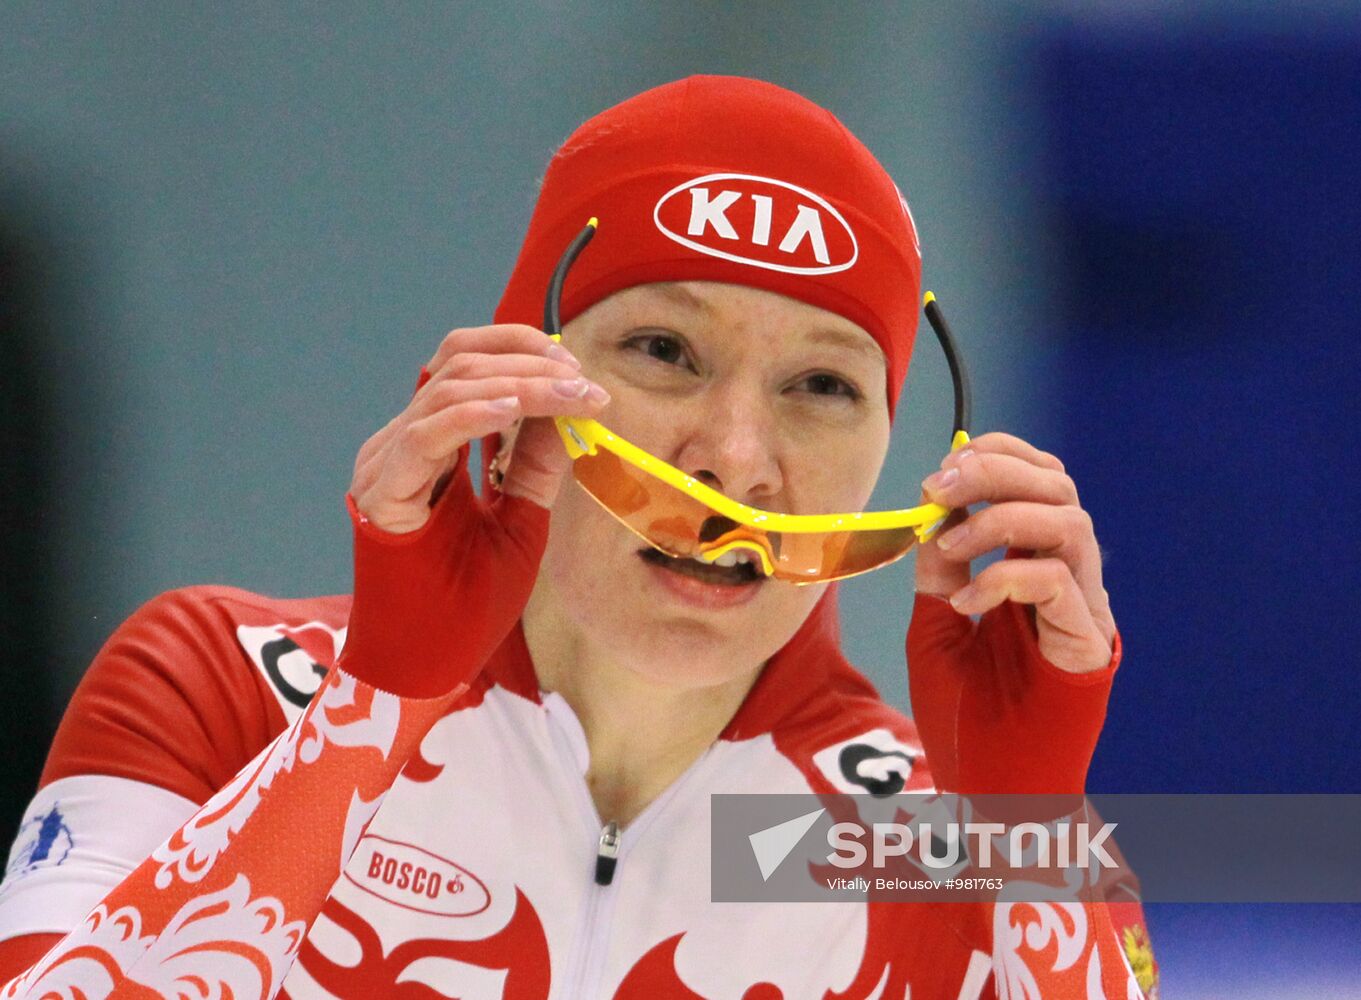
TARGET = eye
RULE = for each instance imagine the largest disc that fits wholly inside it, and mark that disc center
(826, 384)
(664, 347)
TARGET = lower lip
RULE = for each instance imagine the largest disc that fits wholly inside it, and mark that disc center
(699, 594)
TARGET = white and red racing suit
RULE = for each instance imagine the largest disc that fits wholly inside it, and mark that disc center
(229, 812)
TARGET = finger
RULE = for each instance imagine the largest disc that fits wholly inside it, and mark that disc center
(373, 456)
(431, 397)
(936, 573)
(373, 446)
(1064, 532)
(475, 365)
(537, 463)
(536, 397)
(422, 450)
(1001, 443)
(989, 477)
(1069, 636)
(501, 338)
(539, 397)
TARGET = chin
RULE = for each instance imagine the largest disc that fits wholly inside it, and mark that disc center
(687, 655)
(680, 646)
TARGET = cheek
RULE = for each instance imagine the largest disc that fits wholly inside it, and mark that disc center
(791, 606)
(578, 534)
(590, 562)
(654, 422)
(838, 477)
(848, 466)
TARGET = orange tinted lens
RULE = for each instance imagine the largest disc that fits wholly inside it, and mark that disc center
(831, 555)
(680, 525)
(663, 515)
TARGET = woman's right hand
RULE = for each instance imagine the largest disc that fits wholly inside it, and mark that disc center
(441, 575)
(481, 381)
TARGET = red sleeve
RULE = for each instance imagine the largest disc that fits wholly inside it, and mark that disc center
(170, 700)
(994, 715)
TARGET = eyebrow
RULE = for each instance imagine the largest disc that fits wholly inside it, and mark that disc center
(686, 299)
(681, 296)
(848, 340)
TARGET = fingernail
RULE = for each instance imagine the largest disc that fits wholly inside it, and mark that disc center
(596, 394)
(963, 597)
(940, 480)
(955, 457)
(504, 403)
(953, 537)
(572, 388)
(559, 353)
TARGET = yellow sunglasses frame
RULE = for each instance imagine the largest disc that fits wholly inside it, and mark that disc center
(584, 436)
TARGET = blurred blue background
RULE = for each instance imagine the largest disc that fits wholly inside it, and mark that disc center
(230, 236)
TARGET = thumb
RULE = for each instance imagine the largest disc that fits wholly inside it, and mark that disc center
(936, 574)
(537, 463)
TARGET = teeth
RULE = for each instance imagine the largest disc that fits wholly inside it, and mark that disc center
(736, 557)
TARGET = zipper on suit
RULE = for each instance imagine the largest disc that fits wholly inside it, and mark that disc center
(607, 854)
(583, 972)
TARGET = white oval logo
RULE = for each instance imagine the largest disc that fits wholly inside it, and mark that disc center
(758, 221)
(412, 878)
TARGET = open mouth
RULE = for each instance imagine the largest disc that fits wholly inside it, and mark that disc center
(734, 568)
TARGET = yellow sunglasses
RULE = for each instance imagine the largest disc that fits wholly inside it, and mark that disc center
(682, 517)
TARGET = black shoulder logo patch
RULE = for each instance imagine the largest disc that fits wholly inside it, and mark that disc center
(876, 762)
(293, 658)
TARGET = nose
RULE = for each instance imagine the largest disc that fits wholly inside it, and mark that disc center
(733, 446)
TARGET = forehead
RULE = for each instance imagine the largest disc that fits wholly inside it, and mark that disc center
(723, 304)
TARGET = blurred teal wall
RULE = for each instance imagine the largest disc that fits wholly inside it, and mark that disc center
(249, 225)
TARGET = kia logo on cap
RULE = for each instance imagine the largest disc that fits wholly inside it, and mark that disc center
(757, 221)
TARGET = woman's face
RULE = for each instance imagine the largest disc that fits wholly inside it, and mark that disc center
(773, 402)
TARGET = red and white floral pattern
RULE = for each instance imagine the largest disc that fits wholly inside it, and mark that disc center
(336, 717)
(220, 946)
(1039, 951)
(189, 924)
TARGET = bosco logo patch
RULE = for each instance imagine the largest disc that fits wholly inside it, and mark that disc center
(414, 879)
(758, 221)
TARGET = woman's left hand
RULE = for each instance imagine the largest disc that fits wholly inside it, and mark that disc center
(1032, 505)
